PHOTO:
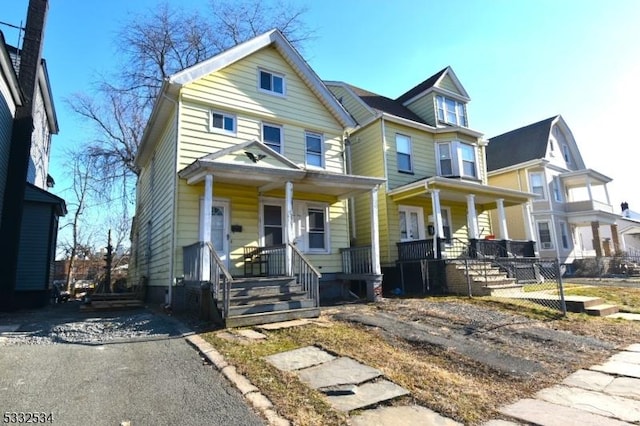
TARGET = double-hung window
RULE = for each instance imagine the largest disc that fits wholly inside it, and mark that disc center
(310, 224)
(457, 159)
(314, 155)
(316, 229)
(272, 137)
(272, 82)
(451, 111)
(403, 148)
(544, 235)
(536, 183)
(564, 234)
(223, 122)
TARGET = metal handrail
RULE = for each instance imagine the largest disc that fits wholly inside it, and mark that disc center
(307, 275)
(227, 279)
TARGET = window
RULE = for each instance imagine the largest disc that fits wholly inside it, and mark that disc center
(536, 183)
(316, 229)
(544, 235)
(314, 149)
(411, 223)
(446, 223)
(310, 225)
(457, 159)
(272, 137)
(451, 111)
(220, 121)
(566, 154)
(271, 82)
(272, 216)
(444, 153)
(564, 234)
(403, 148)
(557, 195)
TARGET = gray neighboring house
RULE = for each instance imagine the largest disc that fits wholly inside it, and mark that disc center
(573, 217)
(41, 209)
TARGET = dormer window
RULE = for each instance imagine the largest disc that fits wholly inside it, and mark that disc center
(271, 82)
(451, 111)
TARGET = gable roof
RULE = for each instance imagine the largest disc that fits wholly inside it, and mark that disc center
(171, 86)
(431, 83)
(520, 145)
(8, 72)
(384, 104)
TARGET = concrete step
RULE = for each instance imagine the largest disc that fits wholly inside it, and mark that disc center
(270, 307)
(271, 317)
(503, 289)
(602, 310)
(581, 303)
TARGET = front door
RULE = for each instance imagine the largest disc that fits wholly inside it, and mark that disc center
(411, 223)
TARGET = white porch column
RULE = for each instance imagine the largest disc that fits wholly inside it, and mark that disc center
(472, 217)
(205, 226)
(375, 233)
(589, 189)
(437, 213)
(289, 232)
(528, 226)
(502, 219)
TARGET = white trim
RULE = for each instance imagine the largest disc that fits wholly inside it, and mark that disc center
(407, 210)
(541, 243)
(222, 130)
(272, 74)
(410, 153)
(306, 206)
(530, 186)
(565, 227)
(384, 153)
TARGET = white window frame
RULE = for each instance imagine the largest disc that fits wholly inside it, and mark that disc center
(445, 213)
(409, 154)
(550, 244)
(455, 157)
(222, 129)
(271, 90)
(300, 222)
(407, 210)
(564, 235)
(305, 233)
(566, 153)
(443, 109)
(557, 193)
(543, 186)
(319, 136)
(275, 126)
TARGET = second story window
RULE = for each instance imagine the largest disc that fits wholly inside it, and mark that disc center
(457, 159)
(313, 143)
(536, 183)
(566, 154)
(271, 82)
(451, 111)
(272, 137)
(223, 122)
(403, 148)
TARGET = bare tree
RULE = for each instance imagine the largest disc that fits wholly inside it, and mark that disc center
(152, 46)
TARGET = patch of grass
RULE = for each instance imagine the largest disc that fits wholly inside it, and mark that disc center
(627, 298)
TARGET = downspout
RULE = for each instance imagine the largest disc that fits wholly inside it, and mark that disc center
(384, 152)
(173, 202)
(346, 143)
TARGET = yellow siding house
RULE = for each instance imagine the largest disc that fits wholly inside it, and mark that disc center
(243, 174)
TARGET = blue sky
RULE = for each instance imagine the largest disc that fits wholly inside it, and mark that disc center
(521, 61)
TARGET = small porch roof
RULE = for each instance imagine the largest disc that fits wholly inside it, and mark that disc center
(585, 218)
(254, 164)
(456, 190)
(580, 178)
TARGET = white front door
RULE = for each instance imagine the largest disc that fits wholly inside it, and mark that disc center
(411, 223)
(219, 227)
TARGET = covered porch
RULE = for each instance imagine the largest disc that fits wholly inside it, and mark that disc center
(269, 218)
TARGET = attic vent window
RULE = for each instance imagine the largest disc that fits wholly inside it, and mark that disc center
(271, 82)
(451, 111)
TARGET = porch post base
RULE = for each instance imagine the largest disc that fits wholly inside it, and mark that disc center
(374, 288)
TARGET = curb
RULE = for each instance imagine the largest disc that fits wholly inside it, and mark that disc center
(250, 392)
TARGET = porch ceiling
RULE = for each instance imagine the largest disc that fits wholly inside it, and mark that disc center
(456, 190)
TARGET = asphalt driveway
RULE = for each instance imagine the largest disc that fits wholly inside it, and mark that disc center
(132, 367)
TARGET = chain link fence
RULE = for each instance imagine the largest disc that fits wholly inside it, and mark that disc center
(530, 281)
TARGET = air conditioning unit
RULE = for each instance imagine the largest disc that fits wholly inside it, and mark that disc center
(546, 246)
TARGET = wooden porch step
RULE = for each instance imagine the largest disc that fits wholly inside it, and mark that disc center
(113, 296)
(270, 307)
(271, 317)
(268, 296)
(111, 305)
(602, 310)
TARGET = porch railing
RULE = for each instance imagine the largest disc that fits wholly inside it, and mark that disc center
(306, 275)
(196, 257)
(357, 260)
(270, 261)
(418, 250)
